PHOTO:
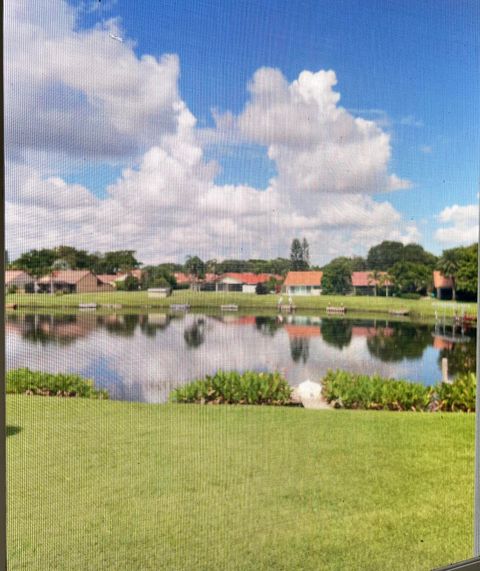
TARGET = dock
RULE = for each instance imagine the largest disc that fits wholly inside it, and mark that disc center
(87, 306)
(399, 312)
(229, 307)
(11, 306)
(179, 307)
(287, 308)
(336, 310)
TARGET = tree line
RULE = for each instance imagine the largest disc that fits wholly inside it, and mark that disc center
(409, 267)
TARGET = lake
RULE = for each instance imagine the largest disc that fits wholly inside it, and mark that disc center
(142, 357)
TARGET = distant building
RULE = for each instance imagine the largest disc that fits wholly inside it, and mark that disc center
(303, 283)
(241, 282)
(108, 278)
(206, 283)
(20, 280)
(364, 283)
(72, 281)
(443, 285)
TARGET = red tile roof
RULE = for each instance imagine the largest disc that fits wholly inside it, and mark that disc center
(14, 274)
(303, 279)
(65, 276)
(439, 280)
(365, 279)
(107, 278)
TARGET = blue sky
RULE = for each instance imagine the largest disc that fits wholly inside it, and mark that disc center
(410, 66)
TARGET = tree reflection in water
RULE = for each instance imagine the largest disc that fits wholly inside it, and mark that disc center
(399, 341)
(337, 332)
(194, 334)
(300, 348)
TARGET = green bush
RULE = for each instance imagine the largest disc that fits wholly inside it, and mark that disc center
(350, 390)
(24, 381)
(457, 396)
(249, 387)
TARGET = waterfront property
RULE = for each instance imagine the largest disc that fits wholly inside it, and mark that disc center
(19, 281)
(241, 282)
(303, 283)
(368, 283)
(443, 285)
(73, 281)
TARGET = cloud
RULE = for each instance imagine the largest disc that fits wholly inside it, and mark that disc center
(462, 225)
(94, 96)
(411, 121)
(79, 91)
(317, 146)
(426, 149)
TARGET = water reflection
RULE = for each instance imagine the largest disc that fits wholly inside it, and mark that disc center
(142, 356)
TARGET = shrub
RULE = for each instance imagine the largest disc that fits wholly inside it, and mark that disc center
(261, 289)
(12, 289)
(249, 387)
(349, 390)
(456, 396)
(24, 381)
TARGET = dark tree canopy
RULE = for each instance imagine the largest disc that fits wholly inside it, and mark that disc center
(385, 255)
(299, 255)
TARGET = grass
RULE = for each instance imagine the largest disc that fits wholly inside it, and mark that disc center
(111, 485)
(369, 304)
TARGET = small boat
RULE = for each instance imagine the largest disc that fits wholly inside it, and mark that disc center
(229, 307)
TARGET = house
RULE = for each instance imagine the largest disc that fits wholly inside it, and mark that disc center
(443, 285)
(365, 284)
(242, 282)
(72, 281)
(206, 283)
(19, 281)
(122, 276)
(303, 283)
(108, 278)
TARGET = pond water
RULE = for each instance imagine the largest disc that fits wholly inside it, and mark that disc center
(142, 357)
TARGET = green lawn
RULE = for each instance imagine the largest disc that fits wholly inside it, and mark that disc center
(110, 485)
(420, 308)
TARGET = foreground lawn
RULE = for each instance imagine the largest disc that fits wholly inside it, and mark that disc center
(110, 485)
(418, 308)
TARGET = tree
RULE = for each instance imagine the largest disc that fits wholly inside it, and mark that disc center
(449, 265)
(195, 267)
(337, 277)
(36, 262)
(297, 255)
(73, 258)
(119, 261)
(385, 255)
(130, 283)
(410, 277)
(374, 279)
(467, 275)
(306, 252)
(158, 276)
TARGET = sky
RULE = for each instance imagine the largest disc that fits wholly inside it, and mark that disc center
(228, 128)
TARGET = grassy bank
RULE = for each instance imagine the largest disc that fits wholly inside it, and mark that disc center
(111, 485)
(423, 308)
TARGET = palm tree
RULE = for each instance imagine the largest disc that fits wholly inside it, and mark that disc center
(374, 278)
(385, 280)
(448, 265)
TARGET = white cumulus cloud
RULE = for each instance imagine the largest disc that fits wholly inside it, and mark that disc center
(460, 225)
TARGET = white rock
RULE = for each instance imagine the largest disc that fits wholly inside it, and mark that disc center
(309, 390)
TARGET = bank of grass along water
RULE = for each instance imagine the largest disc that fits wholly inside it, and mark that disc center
(418, 308)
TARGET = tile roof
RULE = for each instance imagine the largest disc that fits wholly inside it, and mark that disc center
(65, 276)
(14, 274)
(309, 278)
(439, 280)
(365, 279)
(107, 278)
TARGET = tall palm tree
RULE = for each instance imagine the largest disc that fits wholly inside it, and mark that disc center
(385, 280)
(374, 279)
(448, 264)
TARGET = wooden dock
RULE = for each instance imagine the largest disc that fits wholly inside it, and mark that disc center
(287, 308)
(180, 307)
(229, 307)
(336, 310)
(399, 312)
(11, 306)
(87, 306)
